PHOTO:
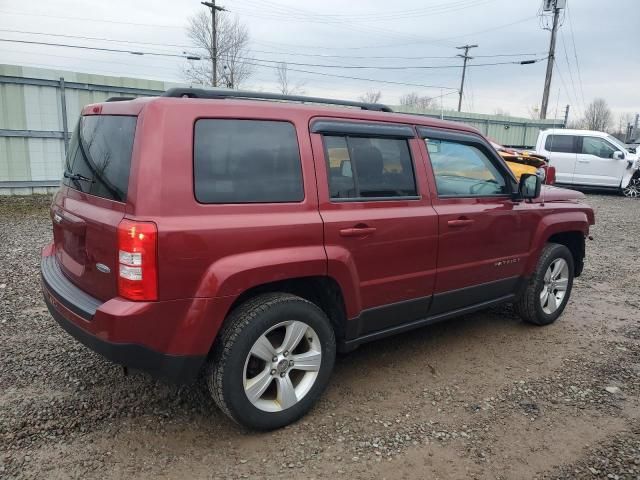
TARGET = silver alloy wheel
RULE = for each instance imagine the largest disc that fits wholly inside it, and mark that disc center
(633, 189)
(554, 289)
(282, 366)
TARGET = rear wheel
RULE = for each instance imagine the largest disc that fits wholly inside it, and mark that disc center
(548, 290)
(272, 361)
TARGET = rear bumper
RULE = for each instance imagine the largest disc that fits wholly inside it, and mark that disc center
(122, 331)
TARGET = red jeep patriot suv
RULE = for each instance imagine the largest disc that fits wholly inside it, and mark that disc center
(215, 234)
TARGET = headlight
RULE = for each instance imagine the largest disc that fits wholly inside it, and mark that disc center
(542, 173)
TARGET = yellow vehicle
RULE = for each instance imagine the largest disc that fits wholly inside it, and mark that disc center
(521, 162)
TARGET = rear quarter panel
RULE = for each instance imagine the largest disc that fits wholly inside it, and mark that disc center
(208, 250)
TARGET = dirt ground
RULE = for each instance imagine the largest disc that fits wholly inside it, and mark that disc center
(484, 396)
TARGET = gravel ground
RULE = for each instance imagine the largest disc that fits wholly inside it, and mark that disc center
(483, 396)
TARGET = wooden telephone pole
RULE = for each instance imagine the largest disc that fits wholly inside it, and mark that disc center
(214, 40)
(555, 6)
(464, 70)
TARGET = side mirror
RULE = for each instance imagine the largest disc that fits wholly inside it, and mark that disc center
(618, 155)
(632, 149)
(530, 186)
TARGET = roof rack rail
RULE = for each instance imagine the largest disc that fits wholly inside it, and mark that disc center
(119, 99)
(224, 93)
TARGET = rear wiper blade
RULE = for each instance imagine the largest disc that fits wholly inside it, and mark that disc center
(77, 176)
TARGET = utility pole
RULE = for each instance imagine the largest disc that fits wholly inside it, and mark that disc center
(566, 116)
(214, 40)
(556, 5)
(464, 70)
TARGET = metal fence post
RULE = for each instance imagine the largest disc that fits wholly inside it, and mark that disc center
(65, 127)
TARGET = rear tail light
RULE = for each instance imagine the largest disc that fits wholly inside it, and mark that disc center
(551, 175)
(137, 260)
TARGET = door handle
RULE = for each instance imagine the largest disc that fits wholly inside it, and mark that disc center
(357, 231)
(584, 161)
(460, 222)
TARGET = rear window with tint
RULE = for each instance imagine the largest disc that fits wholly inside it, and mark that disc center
(246, 161)
(99, 157)
(560, 143)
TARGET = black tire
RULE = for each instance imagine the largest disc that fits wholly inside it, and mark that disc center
(632, 190)
(528, 305)
(245, 324)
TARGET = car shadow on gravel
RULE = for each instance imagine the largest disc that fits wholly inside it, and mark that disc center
(86, 392)
(493, 321)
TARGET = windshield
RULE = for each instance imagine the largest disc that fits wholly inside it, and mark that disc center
(99, 157)
(617, 143)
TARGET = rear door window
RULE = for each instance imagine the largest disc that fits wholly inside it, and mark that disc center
(99, 157)
(246, 161)
(561, 143)
(369, 168)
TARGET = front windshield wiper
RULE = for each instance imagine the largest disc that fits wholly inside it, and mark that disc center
(77, 176)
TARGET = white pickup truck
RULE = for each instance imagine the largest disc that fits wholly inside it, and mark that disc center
(585, 158)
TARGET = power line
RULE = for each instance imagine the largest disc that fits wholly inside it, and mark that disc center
(159, 77)
(395, 57)
(102, 39)
(404, 67)
(451, 92)
(364, 47)
(419, 40)
(573, 85)
(189, 57)
(281, 11)
(33, 14)
(319, 55)
(436, 41)
(564, 84)
(271, 52)
(575, 54)
(446, 7)
(101, 49)
(334, 75)
(94, 60)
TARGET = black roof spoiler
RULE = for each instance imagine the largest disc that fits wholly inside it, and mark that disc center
(119, 99)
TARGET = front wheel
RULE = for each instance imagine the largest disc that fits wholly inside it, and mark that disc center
(633, 189)
(272, 361)
(548, 290)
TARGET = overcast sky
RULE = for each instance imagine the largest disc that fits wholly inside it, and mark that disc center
(334, 32)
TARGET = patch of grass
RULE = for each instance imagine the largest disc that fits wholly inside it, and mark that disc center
(25, 205)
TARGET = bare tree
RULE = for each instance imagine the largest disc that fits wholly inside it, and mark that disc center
(417, 102)
(371, 96)
(597, 116)
(620, 130)
(231, 52)
(577, 124)
(284, 83)
(533, 112)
